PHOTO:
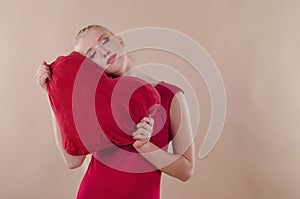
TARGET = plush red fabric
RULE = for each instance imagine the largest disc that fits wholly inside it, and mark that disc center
(95, 111)
(118, 172)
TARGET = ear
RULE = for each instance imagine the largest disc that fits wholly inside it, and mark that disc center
(120, 40)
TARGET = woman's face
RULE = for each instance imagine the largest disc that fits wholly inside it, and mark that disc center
(104, 49)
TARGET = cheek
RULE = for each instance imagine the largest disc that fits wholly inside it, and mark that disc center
(120, 63)
(99, 61)
(117, 48)
(120, 51)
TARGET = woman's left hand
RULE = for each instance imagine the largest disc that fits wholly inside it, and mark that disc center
(143, 133)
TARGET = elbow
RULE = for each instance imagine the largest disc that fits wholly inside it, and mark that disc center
(185, 179)
(185, 171)
(187, 175)
(72, 165)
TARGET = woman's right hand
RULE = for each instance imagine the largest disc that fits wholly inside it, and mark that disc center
(43, 75)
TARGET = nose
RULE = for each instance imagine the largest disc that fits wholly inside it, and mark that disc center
(104, 51)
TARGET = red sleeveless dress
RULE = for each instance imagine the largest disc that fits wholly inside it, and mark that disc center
(121, 172)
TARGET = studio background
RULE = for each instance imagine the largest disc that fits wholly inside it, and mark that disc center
(255, 45)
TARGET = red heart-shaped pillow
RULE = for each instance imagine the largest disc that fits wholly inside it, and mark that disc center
(95, 111)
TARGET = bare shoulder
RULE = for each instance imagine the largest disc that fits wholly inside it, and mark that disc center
(179, 115)
(178, 103)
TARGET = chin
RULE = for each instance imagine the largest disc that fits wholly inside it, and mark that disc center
(112, 70)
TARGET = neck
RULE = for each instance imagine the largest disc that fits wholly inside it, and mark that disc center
(129, 63)
(136, 72)
(129, 70)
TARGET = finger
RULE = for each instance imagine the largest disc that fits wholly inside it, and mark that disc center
(39, 78)
(48, 70)
(137, 137)
(141, 137)
(145, 130)
(38, 72)
(147, 127)
(44, 77)
(143, 133)
(140, 124)
(149, 120)
(42, 69)
(44, 65)
(138, 131)
(48, 75)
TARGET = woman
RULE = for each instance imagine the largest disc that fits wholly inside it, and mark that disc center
(102, 181)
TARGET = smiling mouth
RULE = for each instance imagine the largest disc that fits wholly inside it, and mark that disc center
(111, 59)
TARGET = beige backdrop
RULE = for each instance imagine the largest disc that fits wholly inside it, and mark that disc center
(256, 46)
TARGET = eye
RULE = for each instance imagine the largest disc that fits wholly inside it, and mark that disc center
(105, 40)
(92, 54)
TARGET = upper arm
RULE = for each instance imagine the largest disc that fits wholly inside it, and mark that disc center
(71, 161)
(180, 127)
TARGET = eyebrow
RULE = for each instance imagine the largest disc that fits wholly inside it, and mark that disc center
(99, 39)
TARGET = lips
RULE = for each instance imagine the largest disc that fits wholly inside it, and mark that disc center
(111, 59)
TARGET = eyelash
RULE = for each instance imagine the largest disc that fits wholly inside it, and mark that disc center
(106, 39)
(92, 55)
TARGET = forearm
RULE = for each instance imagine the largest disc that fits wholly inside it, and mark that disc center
(175, 165)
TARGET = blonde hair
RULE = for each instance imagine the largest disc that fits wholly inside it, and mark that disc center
(85, 29)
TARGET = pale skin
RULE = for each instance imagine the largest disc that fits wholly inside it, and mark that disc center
(180, 163)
